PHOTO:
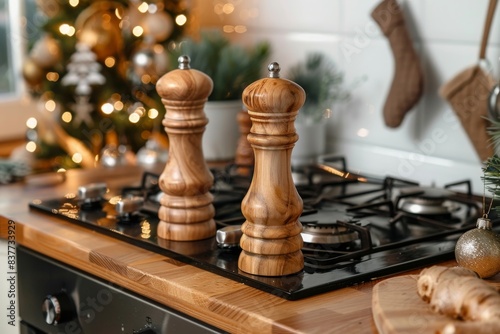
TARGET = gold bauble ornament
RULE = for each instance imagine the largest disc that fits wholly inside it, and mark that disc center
(32, 73)
(99, 28)
(479, 249)
(158, 25)
(46, 52)
(104, 42)
(132, 18)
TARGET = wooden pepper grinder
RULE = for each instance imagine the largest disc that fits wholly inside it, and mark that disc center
(244, 152)
(271, 242)
(186, 211)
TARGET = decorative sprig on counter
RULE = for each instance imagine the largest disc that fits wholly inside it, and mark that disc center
(12, 170)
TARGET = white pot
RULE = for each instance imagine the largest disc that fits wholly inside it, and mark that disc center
(222, 133)
(311, 143)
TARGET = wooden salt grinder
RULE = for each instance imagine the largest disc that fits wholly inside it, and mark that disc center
(244, 152)
(186, 211)
(271, 242)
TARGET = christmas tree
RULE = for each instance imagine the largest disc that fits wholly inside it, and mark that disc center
(93, 69)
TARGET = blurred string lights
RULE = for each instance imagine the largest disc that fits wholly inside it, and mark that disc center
(131, 40)
(236, 11)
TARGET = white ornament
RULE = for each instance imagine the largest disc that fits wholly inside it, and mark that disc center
(82, 109)
(83, 70)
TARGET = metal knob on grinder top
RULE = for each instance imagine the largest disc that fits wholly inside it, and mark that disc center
(271, 242)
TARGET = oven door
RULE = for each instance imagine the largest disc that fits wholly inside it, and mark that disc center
(54, 298)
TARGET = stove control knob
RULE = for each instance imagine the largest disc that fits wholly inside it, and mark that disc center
(229, 236)
(57, 308)
(127, 206)
(92, 193)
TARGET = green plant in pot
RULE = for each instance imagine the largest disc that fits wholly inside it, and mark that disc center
(232, 68)
(323, 85)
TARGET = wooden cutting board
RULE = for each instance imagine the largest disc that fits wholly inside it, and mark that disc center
(397, 308)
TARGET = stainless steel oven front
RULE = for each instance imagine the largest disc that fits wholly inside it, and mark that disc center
(56, 298)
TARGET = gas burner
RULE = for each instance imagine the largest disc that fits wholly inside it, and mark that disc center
(354, 228)
(428, 201)
(328, 234)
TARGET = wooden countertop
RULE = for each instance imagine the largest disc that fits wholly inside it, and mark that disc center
(216, 300)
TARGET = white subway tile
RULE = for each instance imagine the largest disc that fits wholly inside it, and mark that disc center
(446, 34)
(301, 15)
(457, 20)
(357, 18)
(290, 48)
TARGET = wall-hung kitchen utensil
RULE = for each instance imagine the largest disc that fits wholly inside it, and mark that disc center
(468, 94)
(494, 103)
(244, 153)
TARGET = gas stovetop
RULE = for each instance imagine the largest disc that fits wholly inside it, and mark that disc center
(355, 228)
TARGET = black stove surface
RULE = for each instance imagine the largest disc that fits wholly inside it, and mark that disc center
(388, 240)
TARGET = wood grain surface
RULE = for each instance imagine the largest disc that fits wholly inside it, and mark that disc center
(224, 303)
(397, 308)
(186, 211)
(244, 153)
(271, 243)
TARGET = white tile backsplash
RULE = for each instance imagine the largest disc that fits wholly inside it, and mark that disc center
(435, 114)
(302, 16)
(454, 20)
(356, 17)
(430, 145)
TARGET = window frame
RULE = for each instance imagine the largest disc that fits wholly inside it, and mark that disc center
(17, 106)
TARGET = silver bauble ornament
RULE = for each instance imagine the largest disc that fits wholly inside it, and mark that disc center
(113, 155)
(144, 62)
(110, 156)
(479, 249)
(152, 153)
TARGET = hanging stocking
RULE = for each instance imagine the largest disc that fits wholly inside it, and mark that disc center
(407, 83)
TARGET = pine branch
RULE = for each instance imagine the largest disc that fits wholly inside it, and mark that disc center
(491, 177)
(231, 67)
(494, 132)
(322, 83)
(12, 170)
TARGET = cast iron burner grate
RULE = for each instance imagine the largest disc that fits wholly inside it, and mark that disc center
(388, 240)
